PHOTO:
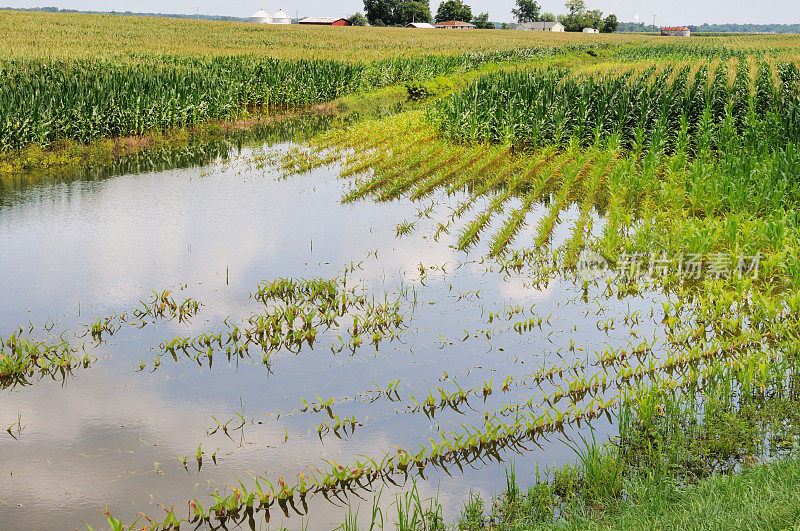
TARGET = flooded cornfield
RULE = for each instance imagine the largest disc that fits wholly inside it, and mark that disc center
(497, 283)
(423, 342)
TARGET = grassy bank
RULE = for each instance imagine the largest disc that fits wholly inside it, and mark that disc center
(760, 497)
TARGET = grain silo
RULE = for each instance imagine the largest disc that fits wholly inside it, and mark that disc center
(281, 18)
(261, 17)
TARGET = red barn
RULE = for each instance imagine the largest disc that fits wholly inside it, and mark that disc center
(325, 21)
(676, 31)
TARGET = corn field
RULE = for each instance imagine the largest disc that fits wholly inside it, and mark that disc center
(649, 108)
(43, 101)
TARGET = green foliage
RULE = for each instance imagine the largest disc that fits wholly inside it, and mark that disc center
(453, 10)
(419, 91)
(579, 18)
(357, 19)
(83, 101)
(21, 356)
(380, 12)
(610, 24)
(396, 12)
(527, 11)
(414, 513)
(413, 11)
(746, 28)
(602, 471)
(575, 7)
(544, 107)
(482, 21)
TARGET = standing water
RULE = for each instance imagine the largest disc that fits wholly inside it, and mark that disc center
(145, 424)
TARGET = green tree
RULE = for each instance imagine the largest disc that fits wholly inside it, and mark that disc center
(548, 17)
(412, 11)
(576, 7)
(357, 19)
(527, 11)
(593, 19)
(397, 12)
(610, 24)
(379, 10)
(482, 21)
(453, 10)
(578, 18)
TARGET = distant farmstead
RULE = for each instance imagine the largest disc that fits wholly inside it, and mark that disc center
(325, 21)
(678, 31)
(540, 26)
(454, 24)
(420, 25)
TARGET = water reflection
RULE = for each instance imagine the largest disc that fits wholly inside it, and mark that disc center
(115, 437)
(198, 152)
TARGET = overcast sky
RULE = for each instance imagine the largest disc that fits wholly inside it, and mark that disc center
(668, 12)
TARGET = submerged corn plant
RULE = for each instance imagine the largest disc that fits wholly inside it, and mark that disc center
(295, 312)
(22, 357)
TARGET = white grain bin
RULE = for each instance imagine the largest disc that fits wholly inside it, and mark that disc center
(281, 18)
(261, 17)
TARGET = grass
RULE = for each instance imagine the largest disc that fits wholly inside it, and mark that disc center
(759, 497)
(676, 464)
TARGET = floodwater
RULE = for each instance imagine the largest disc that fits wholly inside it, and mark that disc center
(113, 436)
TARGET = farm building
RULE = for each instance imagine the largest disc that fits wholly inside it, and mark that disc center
(262, 17)
(678, 31)
(454, 24)
(281, 18)
(591, 30)
(420, 25)
(540, 26)
(325, 21)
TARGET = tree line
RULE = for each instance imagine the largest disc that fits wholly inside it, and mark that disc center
(403, 12)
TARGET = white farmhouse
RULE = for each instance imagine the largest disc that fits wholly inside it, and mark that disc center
(540, 26)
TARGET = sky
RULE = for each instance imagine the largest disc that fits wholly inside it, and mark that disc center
(668, 12)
